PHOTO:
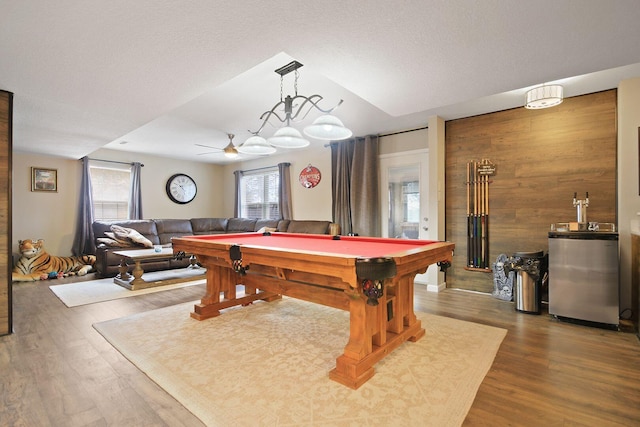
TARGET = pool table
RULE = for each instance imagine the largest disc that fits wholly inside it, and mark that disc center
(370, 277)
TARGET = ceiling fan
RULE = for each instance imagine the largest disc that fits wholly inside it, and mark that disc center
(229, 151)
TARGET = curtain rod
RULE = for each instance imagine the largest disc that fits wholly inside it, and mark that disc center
(114, 161)
(263, 168)
(380, 135)
(402, 131)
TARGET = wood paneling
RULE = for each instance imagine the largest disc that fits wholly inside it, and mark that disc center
(635, 280)
(6, 104)
(542, 158)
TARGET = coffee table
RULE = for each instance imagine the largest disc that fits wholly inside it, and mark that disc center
(134, 281)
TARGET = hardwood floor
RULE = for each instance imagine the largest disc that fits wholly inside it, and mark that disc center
(547, 372)
(56, 370)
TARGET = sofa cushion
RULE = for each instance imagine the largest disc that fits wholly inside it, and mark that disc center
(283, 225)
(168, 228)
(308, 226)
(241, 225)
(209, 225)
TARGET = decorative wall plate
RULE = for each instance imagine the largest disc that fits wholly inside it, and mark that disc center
(310, 176)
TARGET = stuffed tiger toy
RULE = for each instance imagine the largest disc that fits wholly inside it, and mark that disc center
(35, 263)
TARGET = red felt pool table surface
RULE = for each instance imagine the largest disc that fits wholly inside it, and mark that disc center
(352, 246)
(323, 270)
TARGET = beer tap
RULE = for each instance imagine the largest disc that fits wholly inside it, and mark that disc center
(581, 207)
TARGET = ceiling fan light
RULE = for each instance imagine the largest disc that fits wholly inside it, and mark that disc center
(328, 127)
(544, 97)
(256, 145)
(230, 151)
(288, 137)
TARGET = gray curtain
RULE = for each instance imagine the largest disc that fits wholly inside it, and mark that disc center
(341, 157)
(284, 190)
(84, 241)
(355, 189)
(236, 203)
(135, 192)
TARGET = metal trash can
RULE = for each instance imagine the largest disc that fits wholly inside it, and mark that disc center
(530, 268)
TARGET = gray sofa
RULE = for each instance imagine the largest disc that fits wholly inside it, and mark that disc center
(160, 232)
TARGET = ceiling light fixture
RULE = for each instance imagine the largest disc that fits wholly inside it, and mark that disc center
(256, 145)
(544, 97)
(230, 150)
(326, 127)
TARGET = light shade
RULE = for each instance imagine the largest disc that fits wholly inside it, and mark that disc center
(256, 145)
(327, 127)
(288, 137)
(543, 97)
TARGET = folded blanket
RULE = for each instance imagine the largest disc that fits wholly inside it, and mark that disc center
(121, 237)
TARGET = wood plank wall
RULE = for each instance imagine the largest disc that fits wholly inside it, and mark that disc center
(542, 158)
(6, 103)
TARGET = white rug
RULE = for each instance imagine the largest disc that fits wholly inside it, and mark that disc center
(267, 365)
(93, 291)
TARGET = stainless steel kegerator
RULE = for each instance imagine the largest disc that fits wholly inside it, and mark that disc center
(583, 276)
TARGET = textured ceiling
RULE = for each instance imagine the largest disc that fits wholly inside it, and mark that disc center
(166, 75)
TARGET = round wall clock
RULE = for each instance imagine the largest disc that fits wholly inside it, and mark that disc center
(181, 188)
(310, 177)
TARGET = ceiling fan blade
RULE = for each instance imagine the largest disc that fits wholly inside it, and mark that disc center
(208, 152)
(208, 146)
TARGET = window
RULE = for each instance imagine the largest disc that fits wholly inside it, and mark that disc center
(110, 192)
(259, 194)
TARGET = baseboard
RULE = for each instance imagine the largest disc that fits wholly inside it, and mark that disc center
(433, 288)
(437, 288)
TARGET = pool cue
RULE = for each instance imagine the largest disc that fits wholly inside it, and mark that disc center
(473, 217)
(469, 225)
(481, 256)
(486, 225)
(476, 230)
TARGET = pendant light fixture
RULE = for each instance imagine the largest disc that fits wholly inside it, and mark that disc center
(296, 108)
(327, 127)
(257, 146)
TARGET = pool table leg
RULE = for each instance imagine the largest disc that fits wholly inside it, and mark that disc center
(376, 331)
(224, 280)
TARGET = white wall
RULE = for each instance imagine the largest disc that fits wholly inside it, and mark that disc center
(628, 173)
(52, 216)
(405, 141)
(45, 215)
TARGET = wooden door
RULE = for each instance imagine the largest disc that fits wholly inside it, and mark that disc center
(404, 205)
(6, 107)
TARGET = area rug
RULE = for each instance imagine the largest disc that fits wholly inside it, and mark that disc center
(93, 291)
(267, 364)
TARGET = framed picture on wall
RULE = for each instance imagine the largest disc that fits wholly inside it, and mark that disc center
(44, 179)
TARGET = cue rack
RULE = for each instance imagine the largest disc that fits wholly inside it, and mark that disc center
(477, 182)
